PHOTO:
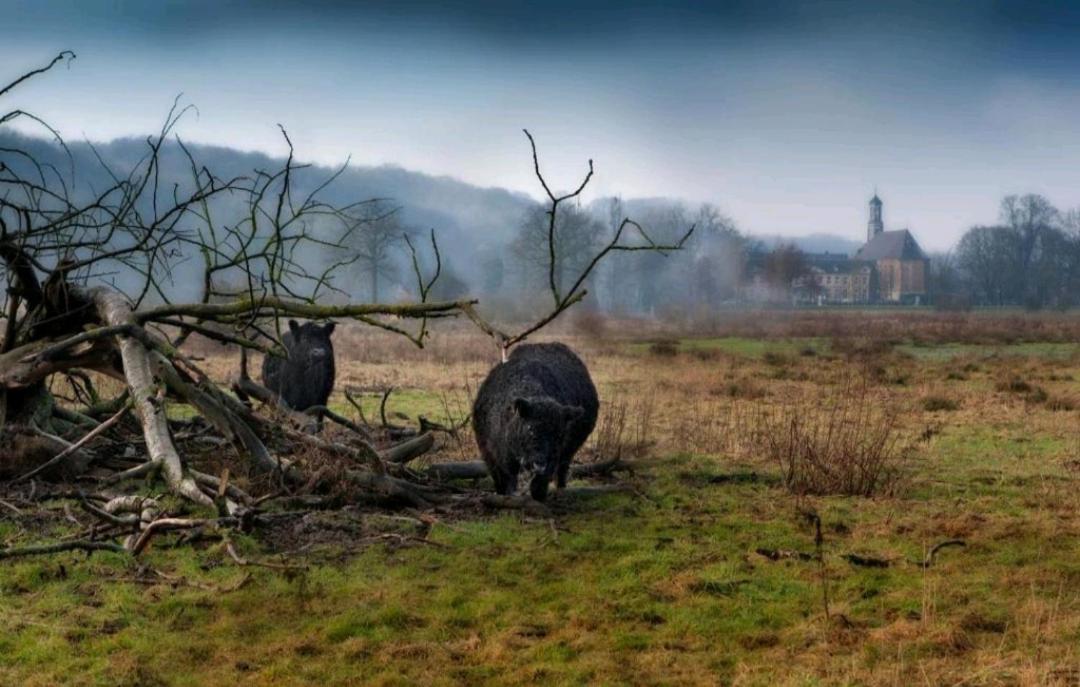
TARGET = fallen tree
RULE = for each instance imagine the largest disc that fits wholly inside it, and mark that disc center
(65, 249)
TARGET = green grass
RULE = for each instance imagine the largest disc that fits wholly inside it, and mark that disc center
(404, 406)
(1019, 350)
(624, 586)
(661, 586)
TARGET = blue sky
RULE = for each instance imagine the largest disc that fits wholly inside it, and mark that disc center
(785, 114)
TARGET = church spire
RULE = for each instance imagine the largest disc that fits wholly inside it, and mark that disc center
(875, 226)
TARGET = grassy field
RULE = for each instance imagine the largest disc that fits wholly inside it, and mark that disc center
(708, 570)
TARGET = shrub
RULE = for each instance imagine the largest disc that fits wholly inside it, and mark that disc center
(1061, 403)
(664, 349)
(623, 429)
(933, 404)
(1015, 385)
(775, 359)
(1037, 395)
(843, 444)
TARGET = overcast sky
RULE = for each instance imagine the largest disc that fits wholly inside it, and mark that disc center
(786, 115)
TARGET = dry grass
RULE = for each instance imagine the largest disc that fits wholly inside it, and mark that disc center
(667, 588)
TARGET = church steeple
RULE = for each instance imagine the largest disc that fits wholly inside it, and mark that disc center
(875, 226)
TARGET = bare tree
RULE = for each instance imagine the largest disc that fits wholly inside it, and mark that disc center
(563, 296)
(65, 243)
(989, 257)
(63, 318)
(1031, 218)
(577, 237)
(376, 242)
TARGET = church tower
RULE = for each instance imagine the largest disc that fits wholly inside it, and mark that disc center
(875, 226)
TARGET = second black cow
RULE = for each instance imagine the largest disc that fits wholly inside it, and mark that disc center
(532, 414)
(306, 377)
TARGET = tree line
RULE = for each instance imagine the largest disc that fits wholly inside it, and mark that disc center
(1029, 258)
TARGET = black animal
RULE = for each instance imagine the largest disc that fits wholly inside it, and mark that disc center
(532, 414)
(306, 377)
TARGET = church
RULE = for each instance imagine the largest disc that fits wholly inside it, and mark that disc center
(889, 268)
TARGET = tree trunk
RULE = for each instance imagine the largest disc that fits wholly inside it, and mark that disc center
(147, 397)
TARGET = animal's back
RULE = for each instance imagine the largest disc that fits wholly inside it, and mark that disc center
(299, 384)
(547, 369)
(572, 384)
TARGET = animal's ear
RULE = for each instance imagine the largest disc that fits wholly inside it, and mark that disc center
(294, 327)
(329, 328)
(523, 408)
(571, 413)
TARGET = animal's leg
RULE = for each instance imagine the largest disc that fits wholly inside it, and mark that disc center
(539, 486)
(563, 472)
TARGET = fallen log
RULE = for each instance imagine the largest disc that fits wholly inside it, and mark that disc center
(476, 469)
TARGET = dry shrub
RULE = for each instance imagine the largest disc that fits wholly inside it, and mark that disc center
(624, 428)
(1062, 403)
(846, 443)
(664, 349)
(742, 387)
(1014, 384)
(775, 359)
(706, 355)
(933, 404)
(862, 348)
(1030, 393)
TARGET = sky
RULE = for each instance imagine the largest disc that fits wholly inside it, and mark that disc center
(786, 115)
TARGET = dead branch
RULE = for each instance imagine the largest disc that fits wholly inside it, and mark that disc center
(76, 446)
(929, 560)
(45, 549)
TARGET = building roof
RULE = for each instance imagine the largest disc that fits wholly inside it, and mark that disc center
(832, 263)
(900, 245)
(875, 200)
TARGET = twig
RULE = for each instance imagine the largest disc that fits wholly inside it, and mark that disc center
(76, 446)
(79, 545)
(929, 560)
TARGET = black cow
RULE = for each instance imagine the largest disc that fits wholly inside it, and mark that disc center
(306, 377)
(532, 414)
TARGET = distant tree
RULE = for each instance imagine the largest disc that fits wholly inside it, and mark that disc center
(719, 257)
(784, 264)
(492, 272)
(944, 276)
(654, 281)
(948, 291)
(577, 236)
(614, 296)
(990, 260)
(1033, 220)
(376, 243)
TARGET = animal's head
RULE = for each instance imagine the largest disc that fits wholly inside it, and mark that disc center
(311, 342)
(544, 423)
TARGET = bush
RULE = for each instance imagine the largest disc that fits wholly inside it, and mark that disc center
(775, 359)
(844, 444)
(1061, 403)
(933, 404)
(1014, 385)
(664, 349)
(624, 429)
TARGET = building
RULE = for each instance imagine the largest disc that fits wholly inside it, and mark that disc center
(899, 265)
(832, 280)
(889, 268)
